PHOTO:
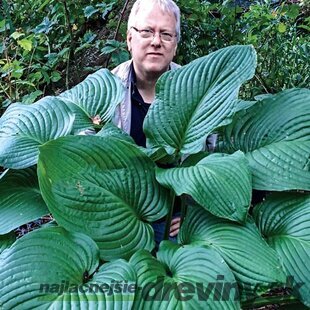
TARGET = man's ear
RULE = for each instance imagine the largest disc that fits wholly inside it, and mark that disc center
(175, 50)
(129, 37)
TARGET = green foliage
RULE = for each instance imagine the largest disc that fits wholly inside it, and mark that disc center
(120, 185)
(271, 147)
(104, 192)
(117, 49)
(59, 257)
(279, 34)
(238, 245)
(40, 40)
(284, 221)
(20, 200)
(74, 111)
(177, 265)
(6, 241)
(205, 100)
(200, 182)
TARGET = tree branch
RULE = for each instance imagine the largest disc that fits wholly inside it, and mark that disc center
(117, 29)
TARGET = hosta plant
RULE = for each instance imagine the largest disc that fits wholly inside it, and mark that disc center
(64, 156)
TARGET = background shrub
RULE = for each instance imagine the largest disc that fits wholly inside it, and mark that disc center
(48, 46)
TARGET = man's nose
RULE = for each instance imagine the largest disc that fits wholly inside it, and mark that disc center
(156, 39)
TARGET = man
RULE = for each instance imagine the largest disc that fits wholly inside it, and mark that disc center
(152, 36)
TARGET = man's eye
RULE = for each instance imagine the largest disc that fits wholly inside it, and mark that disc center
(146, 31)
(167, 34)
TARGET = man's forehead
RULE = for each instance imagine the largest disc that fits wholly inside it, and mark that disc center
(145, 13)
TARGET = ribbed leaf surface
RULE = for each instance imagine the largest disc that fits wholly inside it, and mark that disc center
(53, 269)
(23, 128)
(6, 241)
(281, 166)
(254, 264)
(104, 187)
(194, 100)
(284, 219)
(82, 122)
(220, 183)
(97, 95)
(110, 130)
(20, 199)
(184, 278)
(275, 134)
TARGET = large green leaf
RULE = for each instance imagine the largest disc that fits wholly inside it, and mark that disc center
(104, 187)
(23, 128)
(254, 264)
(6, 241)
(53, 269)
(82, 124)
(111, 130)
(281, 166)
(220, 183)
(97, 97)
(196, 99)
(183, 278)
(284, 219)
(275, 135)
(20, 199)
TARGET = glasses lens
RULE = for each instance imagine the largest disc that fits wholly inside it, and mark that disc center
(166, 37)
(146, 33)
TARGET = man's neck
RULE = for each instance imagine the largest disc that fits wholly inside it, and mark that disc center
(146, 89)
(146, 85)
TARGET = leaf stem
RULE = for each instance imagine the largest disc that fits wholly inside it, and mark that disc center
(71, 47)
(4, 90)
(169, 217)
(183, 209)
(264, 301)
(261, 81)
(30, 62)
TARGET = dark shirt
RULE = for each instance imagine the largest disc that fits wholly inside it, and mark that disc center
(139, 110)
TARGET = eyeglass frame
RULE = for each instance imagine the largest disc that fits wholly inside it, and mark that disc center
(154, 33)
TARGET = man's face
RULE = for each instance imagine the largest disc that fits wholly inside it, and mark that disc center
(152, 56)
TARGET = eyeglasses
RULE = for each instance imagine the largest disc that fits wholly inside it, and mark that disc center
(148, 34)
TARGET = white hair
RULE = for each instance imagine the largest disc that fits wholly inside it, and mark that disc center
(168, 6)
